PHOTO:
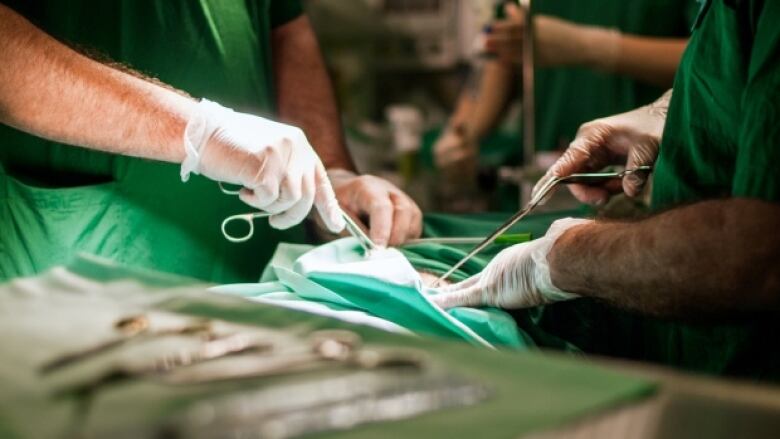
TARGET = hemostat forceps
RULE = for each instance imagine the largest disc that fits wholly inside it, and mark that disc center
(593, 178)
(249, 218)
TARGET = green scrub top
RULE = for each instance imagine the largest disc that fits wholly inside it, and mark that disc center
(722, 139)
(58, 200)
(568, 97)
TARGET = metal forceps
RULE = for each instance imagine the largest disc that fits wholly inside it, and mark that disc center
(592, 178)
(249, 218)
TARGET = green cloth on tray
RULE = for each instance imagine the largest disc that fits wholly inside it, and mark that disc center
(75, 306)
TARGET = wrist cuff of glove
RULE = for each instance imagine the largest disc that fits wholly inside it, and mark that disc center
(197, 133)
(338, 174)
(542, 277)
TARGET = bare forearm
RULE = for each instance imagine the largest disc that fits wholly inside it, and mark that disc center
(650, 60)
(495, 89)
(711, 258)
(54, 92)
(305, 94)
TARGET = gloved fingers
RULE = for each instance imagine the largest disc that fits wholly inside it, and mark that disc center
(325, 201)
(380, 220)
(290, 193)
(407, 219)
(593, 195)
(469, 296)
(461, 285)
(641, 155)
(264, 184)
(448, 150)
(298, 211)
(457, 158)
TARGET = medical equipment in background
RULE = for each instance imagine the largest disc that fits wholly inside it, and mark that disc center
(406, 123)
(427, 28)
(352, 227)
(526, 176)
(593, 178)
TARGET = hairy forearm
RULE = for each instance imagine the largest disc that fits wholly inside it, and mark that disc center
(708, 259)
(51, 91)
(304, 91)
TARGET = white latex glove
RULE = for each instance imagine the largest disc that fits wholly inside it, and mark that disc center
(557, 42)
(454, 148)
(630, 138)
(394, 217)
(279, 170)
(518, 277)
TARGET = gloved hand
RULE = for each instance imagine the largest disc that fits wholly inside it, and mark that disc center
(394, 218)
(557, 42)
(279, 170)
(518, 277)
(454, 148)
(632, 138)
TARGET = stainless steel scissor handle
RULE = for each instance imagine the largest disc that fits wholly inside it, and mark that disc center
(248, 218)
(245, 217)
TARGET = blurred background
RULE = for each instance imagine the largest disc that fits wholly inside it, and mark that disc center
(398, 67)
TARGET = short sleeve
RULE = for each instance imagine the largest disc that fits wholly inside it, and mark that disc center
(284, 11)
(757, 168)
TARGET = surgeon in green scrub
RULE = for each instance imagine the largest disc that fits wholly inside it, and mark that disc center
(171, 91)
(593, 58)
(701, 277)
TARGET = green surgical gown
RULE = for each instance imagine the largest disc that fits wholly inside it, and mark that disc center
(568, 97)
(722, 139)
(57, 200)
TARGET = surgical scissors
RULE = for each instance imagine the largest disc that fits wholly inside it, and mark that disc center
(248, 218)
(352, 227)
(591, 178)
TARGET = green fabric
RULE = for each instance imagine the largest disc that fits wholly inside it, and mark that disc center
(338, 276)
(721, 139)
(568, 97)
(722, 133)
(400, 304)
(530, 391)
(57, 200)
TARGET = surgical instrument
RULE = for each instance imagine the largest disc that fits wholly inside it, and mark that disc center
(325, 347)
(130, 328)
(352, 227)
(506, 239)
(583, 178)
(213, 349)
(321, 404)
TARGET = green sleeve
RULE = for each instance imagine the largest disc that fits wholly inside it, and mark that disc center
(757, 172)
(284, 11)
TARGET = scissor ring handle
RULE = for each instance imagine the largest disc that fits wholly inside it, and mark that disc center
(243, 238)
(226, 190)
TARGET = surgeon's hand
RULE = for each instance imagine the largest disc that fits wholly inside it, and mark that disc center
(455, 148)
(631, 138)
(274, 162)
(518, 277)
(393, 217)
(557, 42)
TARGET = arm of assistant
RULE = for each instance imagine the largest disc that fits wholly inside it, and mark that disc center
(305, 97)
(478, 111)
(304, 93)
(649, 59)
(713, 258)
(51, 91)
